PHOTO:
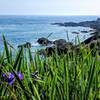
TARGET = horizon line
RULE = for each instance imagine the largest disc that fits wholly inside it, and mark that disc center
(49, 15)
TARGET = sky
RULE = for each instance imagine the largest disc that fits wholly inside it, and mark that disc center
(50, 7)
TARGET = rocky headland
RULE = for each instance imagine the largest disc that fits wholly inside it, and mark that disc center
(92, 24)
(62, 47)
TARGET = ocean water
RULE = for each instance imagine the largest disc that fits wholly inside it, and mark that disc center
(20, 29)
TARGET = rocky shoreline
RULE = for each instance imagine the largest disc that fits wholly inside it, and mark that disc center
(61, 46)
(92, 24)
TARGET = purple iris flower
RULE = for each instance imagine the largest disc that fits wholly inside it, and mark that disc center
(20, 75)
(10, 78)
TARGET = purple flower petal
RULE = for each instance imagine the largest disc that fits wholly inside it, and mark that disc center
(9, 77)
(11, 81)
(4, 75)
(20, 75)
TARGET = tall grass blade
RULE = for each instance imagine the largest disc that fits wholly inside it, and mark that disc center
(89, 81)
(19, 56)
(6, 48)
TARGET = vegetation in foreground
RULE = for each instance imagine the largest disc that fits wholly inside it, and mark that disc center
(72, 76)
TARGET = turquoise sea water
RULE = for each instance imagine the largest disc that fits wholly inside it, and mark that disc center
(20, 29)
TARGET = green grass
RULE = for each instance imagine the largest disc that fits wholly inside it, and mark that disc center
(73, 76)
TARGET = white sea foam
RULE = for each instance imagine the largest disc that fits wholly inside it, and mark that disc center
(35, 44)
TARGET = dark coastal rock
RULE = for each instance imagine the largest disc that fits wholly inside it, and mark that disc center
(59, 42)
(90, 39)
(94, 46)
(47, 52)
(75, 33)
(96, 32)
(26, 45)
(93, 43)
(62, 44)
(84, 31)
(60, 47)
(92, 30)
(50, 50)
(44, 41)
(60, 24)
